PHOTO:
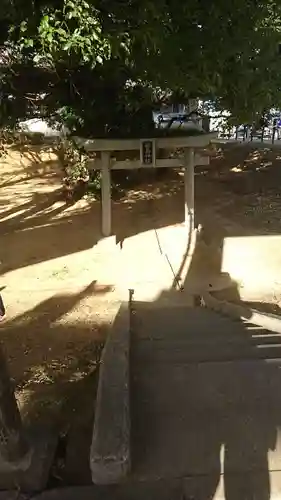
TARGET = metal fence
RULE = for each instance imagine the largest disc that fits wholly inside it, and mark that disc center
(246, 133)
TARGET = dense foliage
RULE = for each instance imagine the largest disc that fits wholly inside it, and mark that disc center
(102, 65)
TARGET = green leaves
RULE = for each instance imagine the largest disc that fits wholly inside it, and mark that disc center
(74, 30)
(226, 50)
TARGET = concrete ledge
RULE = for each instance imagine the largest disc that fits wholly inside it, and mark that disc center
(267, 321)
(110, 451)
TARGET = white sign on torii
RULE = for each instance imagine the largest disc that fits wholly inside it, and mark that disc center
(148, 149)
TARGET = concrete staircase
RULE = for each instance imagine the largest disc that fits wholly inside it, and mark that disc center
(203, 409)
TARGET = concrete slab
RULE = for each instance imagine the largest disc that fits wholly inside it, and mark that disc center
(260, 485)
(180, 448)
(219, 387)
(164, 490)
(184, 420)
(253, 260)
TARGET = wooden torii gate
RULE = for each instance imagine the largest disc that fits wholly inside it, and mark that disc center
(147, 151)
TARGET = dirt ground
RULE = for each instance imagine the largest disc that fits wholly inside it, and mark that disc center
(60, 293)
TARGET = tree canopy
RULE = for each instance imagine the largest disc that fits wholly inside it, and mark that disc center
(101, 65)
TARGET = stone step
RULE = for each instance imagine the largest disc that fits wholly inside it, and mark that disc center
(168, 322)
(191, 350)
(172, 446)
(185, 416)
(200, 387)
(191, 417)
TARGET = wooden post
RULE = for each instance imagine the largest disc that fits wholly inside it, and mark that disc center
(189, 189)
(14, 450)
(106, 194)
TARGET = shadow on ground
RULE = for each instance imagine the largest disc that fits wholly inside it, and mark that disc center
(245, 181)
(43, 227)
(240, 184)
(206, 393)
(51, 355)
